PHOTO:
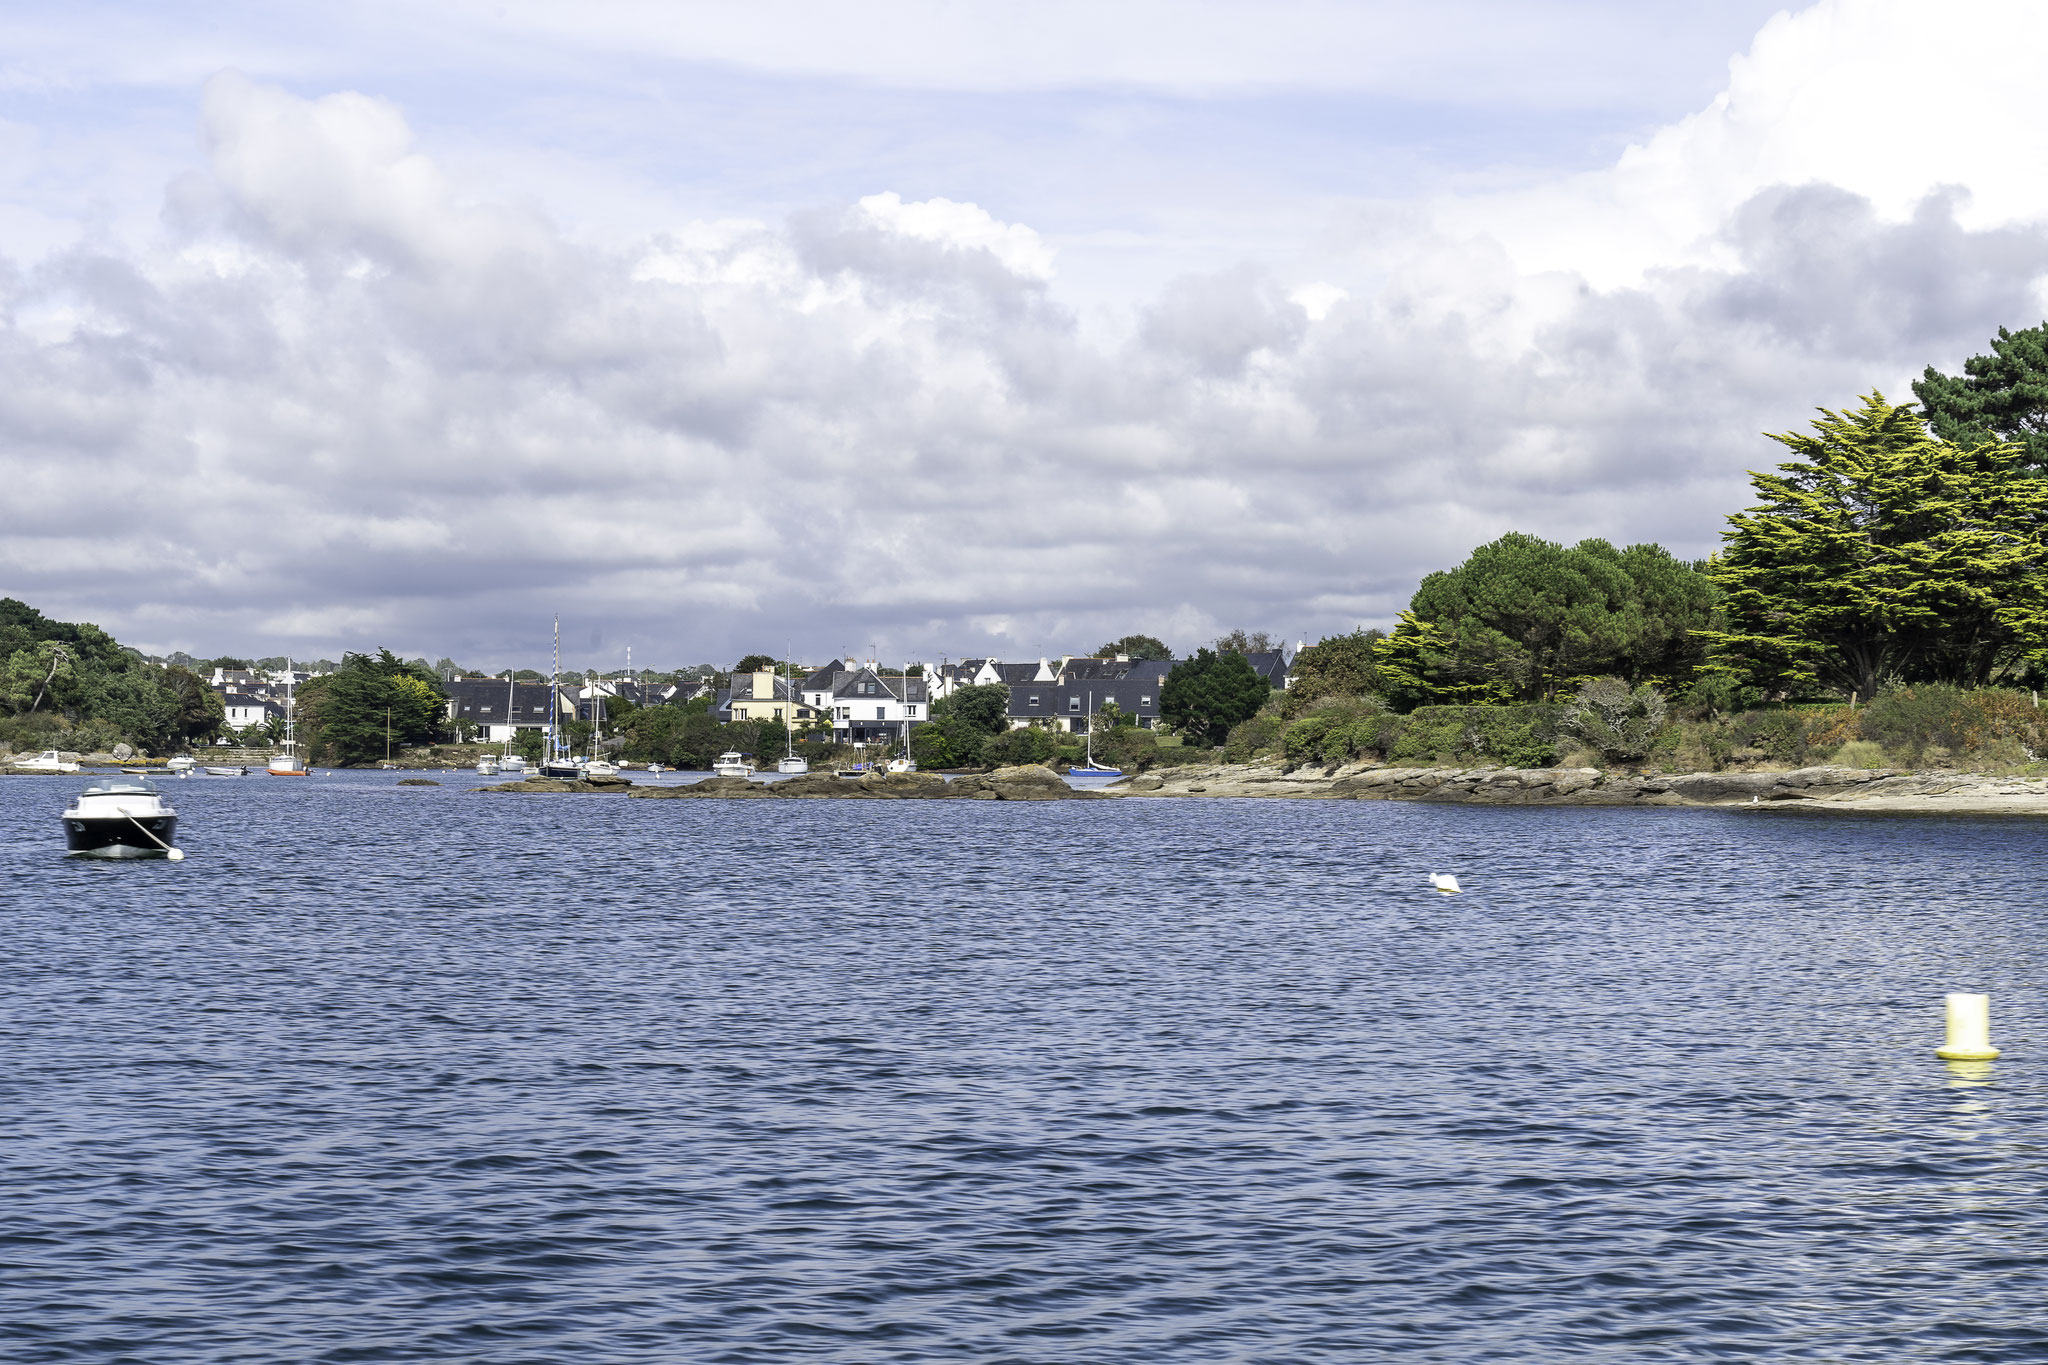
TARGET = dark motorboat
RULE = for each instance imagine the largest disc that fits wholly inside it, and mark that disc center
(121, 818)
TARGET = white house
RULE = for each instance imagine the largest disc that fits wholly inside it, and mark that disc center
(244, 711)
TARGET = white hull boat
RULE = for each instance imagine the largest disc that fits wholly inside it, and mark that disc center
(227, 772)
(48, 761)
(121, 818)
(792, 764)
(182, 764)
(487, 766)
(730, 764)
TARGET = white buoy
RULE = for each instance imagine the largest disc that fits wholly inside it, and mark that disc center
(1445, 882)
(1969, 1030)
(176, 855)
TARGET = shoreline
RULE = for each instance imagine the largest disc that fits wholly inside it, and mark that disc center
(1935, 791)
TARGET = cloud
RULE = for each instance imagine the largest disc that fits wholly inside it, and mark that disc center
(353, 397)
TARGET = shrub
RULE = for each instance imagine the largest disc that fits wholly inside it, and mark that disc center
(1859, 753)
(1989, 723)
(1250, 738)
(1619, 721)
(1027, 745)
(1519, 736)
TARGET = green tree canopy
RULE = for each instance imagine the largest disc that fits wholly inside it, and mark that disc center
(961, 726)
(1207, 694)
(1139, 647)
(754, 663)
(1336, 666)
(1883, 554)
(80, 672)
(1241, 641)
(1524, 618)
(343, 716)
(1998, 397)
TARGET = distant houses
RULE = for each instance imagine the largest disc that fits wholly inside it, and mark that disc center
(860, 702)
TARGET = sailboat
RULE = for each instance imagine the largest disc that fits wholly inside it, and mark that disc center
(288, 763)
(509, 762)
(1088, 768)
(789, 762)
(905, 763)
(556, 761)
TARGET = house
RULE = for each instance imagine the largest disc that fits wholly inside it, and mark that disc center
(1071, 703)
(765, 695)
(1274, 665)
(245, 712)
(867, 707)
(499, 710)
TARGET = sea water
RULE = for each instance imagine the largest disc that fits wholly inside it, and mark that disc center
(412, 1074)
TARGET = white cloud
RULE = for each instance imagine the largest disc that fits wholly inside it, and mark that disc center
(967, 227)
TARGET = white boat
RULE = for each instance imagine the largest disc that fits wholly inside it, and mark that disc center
(288, 763)
(1088, 768)
(48, 761)
(789, 762)
(119, 818)
(902, 765)
(731, 764)
(556, 761)
(656, 768)
(182, 764)
(512, 763)
(487, 766)
(227, 772)
(597, 767)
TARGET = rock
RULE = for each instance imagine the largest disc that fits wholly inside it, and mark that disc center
(1140, 784)
(554, 784)
(1028, 774)
(122, 753)
(417, 782)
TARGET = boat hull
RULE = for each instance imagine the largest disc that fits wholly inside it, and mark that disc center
(118, 837)
(1095, 772)
(564, 772)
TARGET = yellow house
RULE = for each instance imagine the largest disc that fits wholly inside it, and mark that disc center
(763, 695)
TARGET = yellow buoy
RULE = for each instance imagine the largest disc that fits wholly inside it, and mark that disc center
(1969, 1030)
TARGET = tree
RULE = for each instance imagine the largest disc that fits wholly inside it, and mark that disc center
(1336, 666)
(1207, 694)
(1883, 554)
(754, 663)
(962, 723)
(1238, 642)
(2001, 397)
(1139, 648)
(345, 714)
(1524, 618)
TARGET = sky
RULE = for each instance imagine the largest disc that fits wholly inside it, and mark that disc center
(935, 330)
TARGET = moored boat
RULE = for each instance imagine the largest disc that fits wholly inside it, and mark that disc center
(121, 818)
(597, 767)
(512, 763)
(486, 766)
(288, 763)
(48, 761)
(182, 764)
(227, 772)
(732, 764)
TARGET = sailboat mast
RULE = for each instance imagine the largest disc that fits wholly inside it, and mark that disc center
(554, 691)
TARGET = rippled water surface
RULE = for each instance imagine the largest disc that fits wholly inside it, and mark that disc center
(385, 1074)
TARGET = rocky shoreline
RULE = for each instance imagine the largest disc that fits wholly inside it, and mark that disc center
(1818, 788)
(1032, 783)
(1827, 788)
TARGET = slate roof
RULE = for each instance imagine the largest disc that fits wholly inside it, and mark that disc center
(482, 702)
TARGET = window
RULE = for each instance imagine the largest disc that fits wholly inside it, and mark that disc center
(881, 713)
(1145, 701)
(911, 710)
(1073, 703)
(1032, 700)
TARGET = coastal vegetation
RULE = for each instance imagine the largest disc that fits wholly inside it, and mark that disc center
(71, 686)
(372, 704)
(1884, 602)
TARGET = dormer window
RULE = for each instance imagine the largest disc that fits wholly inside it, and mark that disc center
(1073, 703)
